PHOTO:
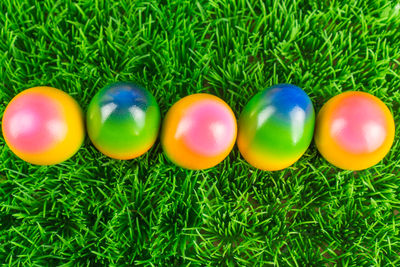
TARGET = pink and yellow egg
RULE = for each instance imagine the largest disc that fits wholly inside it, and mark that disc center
(199, 131)
(43, 126)
(354, 130)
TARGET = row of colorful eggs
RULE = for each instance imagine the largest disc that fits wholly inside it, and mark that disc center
(354, 130)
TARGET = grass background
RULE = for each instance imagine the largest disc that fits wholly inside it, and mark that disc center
(92, 210)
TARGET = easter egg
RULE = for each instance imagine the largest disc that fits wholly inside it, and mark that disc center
(354, 130)
(198, 132)
(43, 126)
(123, 120)
(276, 127)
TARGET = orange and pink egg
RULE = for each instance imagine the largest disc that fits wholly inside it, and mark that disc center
(199, 131)
(43, 125)
(354, 130)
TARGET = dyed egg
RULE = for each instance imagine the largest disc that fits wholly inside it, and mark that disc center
(198, 132)
(43, 126)
(354, 130)
(276, 127)
(123, 120)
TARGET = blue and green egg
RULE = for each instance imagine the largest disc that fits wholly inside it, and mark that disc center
(276, 127)
(123, 120)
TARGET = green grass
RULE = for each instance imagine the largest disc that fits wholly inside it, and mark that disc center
(92, 210)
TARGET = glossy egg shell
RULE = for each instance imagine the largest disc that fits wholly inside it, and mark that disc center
(123, 120)
(354, 130)
(276, 127)
(43, 126)
(199, 131)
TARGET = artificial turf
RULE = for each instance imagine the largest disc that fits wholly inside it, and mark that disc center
(92, 210)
